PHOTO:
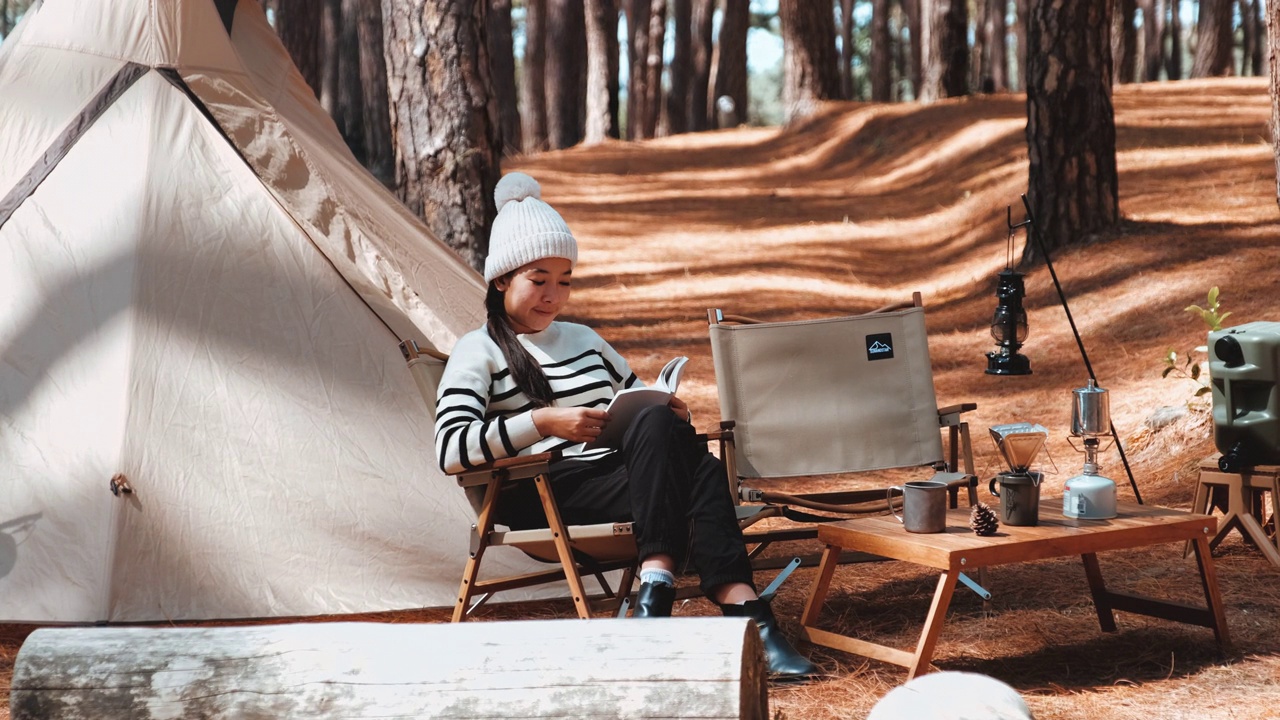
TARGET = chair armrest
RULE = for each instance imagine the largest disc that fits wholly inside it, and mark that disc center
(512, 468)
(950, 415)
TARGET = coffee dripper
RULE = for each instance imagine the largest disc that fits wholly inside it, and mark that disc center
(1019, 493)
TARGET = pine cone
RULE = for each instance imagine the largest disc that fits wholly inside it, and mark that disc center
(983, 520)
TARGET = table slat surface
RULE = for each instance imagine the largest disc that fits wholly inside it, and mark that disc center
(1055, 536)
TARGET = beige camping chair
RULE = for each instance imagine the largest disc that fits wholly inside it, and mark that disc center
(832, 396)
(578, 549)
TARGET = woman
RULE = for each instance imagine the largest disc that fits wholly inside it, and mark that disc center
(527, 383)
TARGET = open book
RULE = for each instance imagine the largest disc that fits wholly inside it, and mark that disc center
(627, 404)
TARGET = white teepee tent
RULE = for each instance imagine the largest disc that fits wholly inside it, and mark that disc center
(202, 293)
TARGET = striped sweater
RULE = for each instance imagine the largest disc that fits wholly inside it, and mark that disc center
(481, 416)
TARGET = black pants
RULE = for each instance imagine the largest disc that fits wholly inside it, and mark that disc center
(663, 480)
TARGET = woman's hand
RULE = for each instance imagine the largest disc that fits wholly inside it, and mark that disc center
(680, 408)
(571, 423)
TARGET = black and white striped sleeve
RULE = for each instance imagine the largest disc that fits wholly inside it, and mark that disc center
(467, 434)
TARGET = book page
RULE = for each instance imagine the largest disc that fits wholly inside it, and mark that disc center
(669, 378)
(628, 403)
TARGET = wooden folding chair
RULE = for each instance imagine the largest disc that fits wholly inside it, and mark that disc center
(578, 549)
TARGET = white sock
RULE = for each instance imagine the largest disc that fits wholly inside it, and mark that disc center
(658, 575)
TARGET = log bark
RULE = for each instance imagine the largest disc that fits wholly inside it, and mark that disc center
(685, 667)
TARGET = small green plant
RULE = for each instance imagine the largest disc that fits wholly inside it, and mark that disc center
(1188, 365)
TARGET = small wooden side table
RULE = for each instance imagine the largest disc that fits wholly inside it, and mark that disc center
(957, 549)
(1245, 509)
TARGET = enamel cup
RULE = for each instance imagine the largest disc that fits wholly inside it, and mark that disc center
(924, 505)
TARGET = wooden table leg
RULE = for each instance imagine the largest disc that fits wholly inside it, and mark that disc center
(933, 624)
(1199, 505)
(1101, 599)
(821, 584)
(1212, 598)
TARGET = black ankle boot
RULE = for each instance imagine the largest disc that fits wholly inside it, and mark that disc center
(654, 600)
(784, 662)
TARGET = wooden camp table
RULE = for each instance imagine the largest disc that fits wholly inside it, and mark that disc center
(958, 550)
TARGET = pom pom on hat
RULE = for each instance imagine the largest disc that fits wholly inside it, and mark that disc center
(515, 186)
(526, 228)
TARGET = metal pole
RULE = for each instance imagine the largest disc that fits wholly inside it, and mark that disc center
(1031, 232)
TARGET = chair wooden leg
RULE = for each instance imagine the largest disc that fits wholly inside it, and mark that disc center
(483, 526)
(560, 535)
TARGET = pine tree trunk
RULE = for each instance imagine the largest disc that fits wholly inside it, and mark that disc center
(502, 56)
(637, 57)
(1124, 41)
(444, 118)
(298, 23)
(1071, 135)
(330, 57)
(1214, 40)
(598, 121)
(1173, 71)
(945, 46)
(1260, 44)
(808, 56)
(915, 32)
(1152, 39)
(565, 53)
(1252, 35)
(680, 71)
(611, 45)
(379, 155)
(653, 67)
(731, 67)
(846, 53)
(998, 41)
(348, 109)
(700, 84)
(881, 59)
(1273, 40)
(1022, 11)
(900, 54)
(533, 81)
(979, 51)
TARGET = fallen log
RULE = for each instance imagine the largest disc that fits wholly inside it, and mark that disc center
(669, 668)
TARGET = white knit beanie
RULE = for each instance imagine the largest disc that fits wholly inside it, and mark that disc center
(526, 228)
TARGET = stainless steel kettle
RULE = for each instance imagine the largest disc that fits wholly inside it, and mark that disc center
(1091, 411)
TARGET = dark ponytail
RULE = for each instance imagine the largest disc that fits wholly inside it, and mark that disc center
(525, 371)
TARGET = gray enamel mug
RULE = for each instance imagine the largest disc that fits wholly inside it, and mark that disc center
(924, 505)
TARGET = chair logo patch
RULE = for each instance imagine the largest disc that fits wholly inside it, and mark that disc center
(880, 346)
